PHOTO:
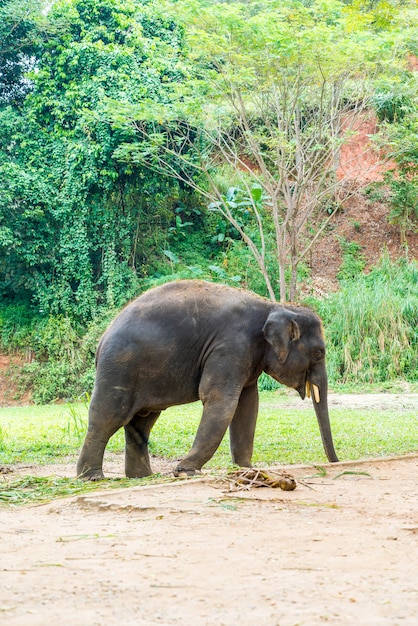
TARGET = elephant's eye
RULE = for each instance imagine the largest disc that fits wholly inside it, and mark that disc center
(317, 355)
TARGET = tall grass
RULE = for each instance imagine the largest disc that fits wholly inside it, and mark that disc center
(371, 325)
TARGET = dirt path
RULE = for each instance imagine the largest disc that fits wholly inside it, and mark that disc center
(336, 550)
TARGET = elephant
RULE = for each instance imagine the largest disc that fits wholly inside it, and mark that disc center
(192, 339)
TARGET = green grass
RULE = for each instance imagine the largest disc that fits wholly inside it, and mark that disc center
(38, 489)
(287, 432)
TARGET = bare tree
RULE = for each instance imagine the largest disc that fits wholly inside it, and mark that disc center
(282, 146)
(273, 111)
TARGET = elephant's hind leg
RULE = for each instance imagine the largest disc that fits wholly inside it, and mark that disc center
(137, 462)
(107, 413)
(90, 461)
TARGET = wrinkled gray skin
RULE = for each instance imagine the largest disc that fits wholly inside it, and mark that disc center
(192, 340)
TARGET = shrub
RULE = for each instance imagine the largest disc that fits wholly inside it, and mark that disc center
(353, 262)
(62, 352)
(404, 204)
(16, 325)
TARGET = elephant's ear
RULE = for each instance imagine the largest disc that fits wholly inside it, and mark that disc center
(280, 329)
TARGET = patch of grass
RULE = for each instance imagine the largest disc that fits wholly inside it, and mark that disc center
(371, 325)
(38, 434)
(353, 262)
(76, 426)
(397, 386)
(291, 436)
(287, 434)
(46, 434)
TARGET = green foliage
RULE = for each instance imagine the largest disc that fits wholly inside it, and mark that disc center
(353, 262)
(402, 181)
(371, 325)
(61, 351)
(85, 224)
(404, 204)
(20, 36)
(238, 261)
(267, 383)
(276, 120)
(16, 325)
(54, 380)
(400, 135)
(74, 222)
(394, 100)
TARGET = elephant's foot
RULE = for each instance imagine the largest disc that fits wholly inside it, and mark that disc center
(92, 475)
(137, 465)
(132, 473)
(182, 472)
(89, 472)
(242, 462)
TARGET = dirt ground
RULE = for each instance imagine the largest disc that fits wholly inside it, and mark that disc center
(336, 550)
(341, 549)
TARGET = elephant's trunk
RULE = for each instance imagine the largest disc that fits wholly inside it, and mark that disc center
(320, 402)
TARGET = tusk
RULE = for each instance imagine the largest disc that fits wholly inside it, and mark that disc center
(308, 389)
(316, 393)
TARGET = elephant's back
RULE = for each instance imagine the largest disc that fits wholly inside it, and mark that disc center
(197, 292)
(183, 315)
(196, 298)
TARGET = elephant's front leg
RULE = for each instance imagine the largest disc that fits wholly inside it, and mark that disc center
(242, 427)
(218, 410)
(137, 461)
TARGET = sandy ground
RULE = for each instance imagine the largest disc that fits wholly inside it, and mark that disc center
(340, 549)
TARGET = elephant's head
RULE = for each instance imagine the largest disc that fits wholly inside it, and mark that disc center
(295, 356)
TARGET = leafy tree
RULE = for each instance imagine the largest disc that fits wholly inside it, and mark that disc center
(396, 104)
(20, 29)
(28, 231)
(72, 218)
(403, 180)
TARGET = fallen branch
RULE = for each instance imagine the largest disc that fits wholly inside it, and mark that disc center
(245, 479)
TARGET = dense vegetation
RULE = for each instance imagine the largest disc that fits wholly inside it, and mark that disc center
(143, 141)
